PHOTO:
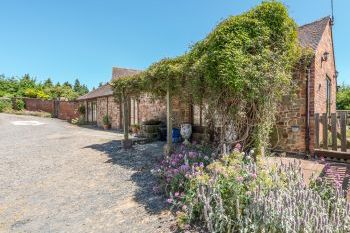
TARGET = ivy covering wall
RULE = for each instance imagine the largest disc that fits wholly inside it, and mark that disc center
(240, 71)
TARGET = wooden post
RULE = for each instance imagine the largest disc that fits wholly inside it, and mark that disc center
(334, 131)
(343, 130)
(169, 145)
(127, 143)
(325, 130)
(317, 130)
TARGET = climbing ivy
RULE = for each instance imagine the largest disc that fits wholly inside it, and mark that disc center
(240, 70)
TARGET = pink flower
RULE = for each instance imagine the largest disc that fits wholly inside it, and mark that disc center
(169, 200)
(177, 194)
(184, 207)
(254, 175)
(240, 179)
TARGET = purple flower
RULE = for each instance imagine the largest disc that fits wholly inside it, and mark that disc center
(184, 168)
(201, 164)
(192, 154)
(169, 200)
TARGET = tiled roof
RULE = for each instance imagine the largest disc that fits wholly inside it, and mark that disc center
(104, 90)
(310, 34)
(121, 72)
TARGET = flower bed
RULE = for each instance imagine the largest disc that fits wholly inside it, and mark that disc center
(235, 194)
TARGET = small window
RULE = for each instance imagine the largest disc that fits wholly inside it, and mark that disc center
(328, 95)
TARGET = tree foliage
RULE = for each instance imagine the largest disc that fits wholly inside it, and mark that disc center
(240, 71)
(29, 87)
(343, 98)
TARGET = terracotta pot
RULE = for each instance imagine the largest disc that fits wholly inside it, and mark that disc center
(105, 127)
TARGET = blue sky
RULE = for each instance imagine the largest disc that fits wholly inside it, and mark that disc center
(83, 39)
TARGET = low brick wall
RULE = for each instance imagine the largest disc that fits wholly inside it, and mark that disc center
(66, 110)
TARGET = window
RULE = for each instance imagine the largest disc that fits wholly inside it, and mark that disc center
(328, 95)
(91, 111)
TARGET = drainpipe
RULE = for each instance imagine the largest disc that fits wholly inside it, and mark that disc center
(307, 136)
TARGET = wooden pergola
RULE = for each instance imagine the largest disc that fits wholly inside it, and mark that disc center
(127, 142)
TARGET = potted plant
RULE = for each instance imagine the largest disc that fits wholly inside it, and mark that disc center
(106, 122)
(135, 129)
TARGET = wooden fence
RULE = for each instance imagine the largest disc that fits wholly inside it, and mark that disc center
(331, 134)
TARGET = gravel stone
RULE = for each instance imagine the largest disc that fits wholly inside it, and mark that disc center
(57, 177)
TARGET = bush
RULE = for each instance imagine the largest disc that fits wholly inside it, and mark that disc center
(81, 110)
(5, 105)
(19, 104)
(177, 169)
(106, 120)
(234, 194)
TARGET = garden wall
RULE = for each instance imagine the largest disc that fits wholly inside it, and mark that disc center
(64, 110)
(39, 105)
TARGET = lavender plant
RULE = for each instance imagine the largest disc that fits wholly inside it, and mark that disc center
(236, 195)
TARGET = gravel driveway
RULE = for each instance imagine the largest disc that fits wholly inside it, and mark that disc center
(57, 177)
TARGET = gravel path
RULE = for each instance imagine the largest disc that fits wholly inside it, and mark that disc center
(56, 177)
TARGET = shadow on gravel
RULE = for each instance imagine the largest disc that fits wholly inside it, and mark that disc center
(141, 158)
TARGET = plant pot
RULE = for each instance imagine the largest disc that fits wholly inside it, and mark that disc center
(106, 127)
(135, 129)
(186, 131)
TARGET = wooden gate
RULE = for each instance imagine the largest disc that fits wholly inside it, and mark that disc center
(331, 132)
(56, 108)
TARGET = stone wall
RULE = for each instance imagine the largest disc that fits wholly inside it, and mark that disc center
(290, 131)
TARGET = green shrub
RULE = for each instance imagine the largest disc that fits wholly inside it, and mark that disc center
(106, 120)
(81, 110)
(5, 105)
(19, 104)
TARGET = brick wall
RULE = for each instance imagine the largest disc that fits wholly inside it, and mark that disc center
(39, 105)
(322, 71)
(141, 109)
(108, 105)
(68, 110)
(150, 108)
(292, 111)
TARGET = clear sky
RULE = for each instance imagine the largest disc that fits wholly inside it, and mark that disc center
(83, 39)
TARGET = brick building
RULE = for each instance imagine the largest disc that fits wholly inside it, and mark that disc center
(315, 93)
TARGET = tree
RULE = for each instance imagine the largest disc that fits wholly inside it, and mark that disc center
(77, 85)
(48, 83)
(343, 98)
